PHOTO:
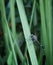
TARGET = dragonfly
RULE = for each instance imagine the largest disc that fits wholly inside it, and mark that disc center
(35, 40)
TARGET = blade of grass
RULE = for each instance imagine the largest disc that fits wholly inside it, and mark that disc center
(33, 14)
(48, 18)
(48, 14)
(26, 55)
(27, 34)
(9, 61)
(14, 25)
(5, 35)
(32, 19)
(35, 18)
(12, 13)
(42, 51)
(4, 22)
(44, 32)
(14, 29)
(12, 45)
(6, 39)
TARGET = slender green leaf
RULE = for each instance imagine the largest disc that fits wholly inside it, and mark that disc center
(27, 32)
(44, 32)
(48, 14)
(33, 15)
(5, 22)
(12, 12)
(9, 61)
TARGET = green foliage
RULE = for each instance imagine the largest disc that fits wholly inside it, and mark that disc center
(26, 17)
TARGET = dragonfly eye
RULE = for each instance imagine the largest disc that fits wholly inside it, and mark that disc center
(34, 37)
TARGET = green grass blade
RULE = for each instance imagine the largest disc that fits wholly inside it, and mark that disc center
(12, 44)
(5, 23)
(6, 39)
(48, 14)
(27, 32)
(44, 32)
(9, 61)
(32, 13)
(4, 30)
(14, 29)
(12, 13)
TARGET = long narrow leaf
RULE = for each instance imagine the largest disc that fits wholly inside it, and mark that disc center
(27, 32)
(5, 22)
(48, 14)
(44, 32)
(12, 12)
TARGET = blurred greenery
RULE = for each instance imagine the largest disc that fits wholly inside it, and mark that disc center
(26, 28)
